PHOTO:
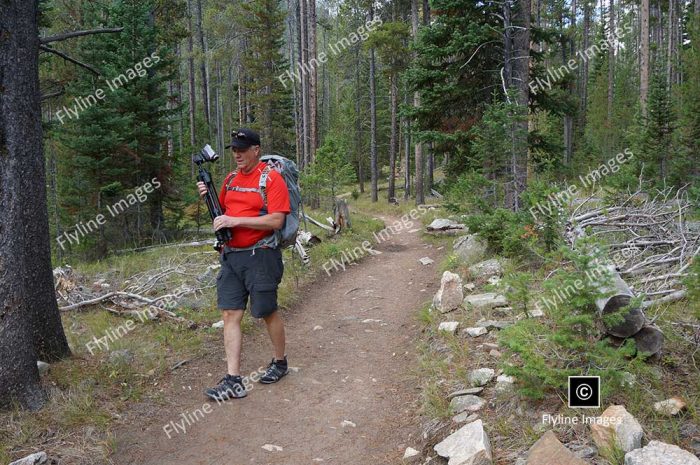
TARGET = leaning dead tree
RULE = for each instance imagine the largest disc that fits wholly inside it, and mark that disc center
(649, 245)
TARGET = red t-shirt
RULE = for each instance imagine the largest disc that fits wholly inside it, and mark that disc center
(236, 203)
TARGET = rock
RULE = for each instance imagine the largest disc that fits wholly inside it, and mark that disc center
(494, 324)
(490, 267)
(272, 448)
(619, 426)
(469, 445)
(464, 392)
(476, 332)
(411, 455)
(495, 354)
(318, 328)
(670, 407)
(35, 459)
(468, 403)
(469, 287)
(121, 356)
(450, 295)
(659, 453)
(441, 224)
(485, 301)
(348, 423)
(481, 376)
(218, 325)
(425, 261)
(689, 430)
(494, 280)
(42, 366)
(549, 451)
(449, 326)
(465, 417)
(491, 345)
(583, 451)
(504, 383)
(628, 379)
(433, 427)
(470, 249)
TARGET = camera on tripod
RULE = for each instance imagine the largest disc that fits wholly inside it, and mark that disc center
(208, 155)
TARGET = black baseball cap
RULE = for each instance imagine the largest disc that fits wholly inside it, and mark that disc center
(243, 138)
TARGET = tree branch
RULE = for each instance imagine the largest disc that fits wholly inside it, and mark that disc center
(70, 35)
(68, 58)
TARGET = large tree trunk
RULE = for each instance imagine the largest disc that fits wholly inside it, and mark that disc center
(190, 65)
(303, 61)
(407, 154)
(203, 67)
(420, 195)
(393, 142)
(584, 68)
(644, 59)
(611, 61)
(30, 323)
(520, 79)
(293, 10)
(373, 120)
(313, 81)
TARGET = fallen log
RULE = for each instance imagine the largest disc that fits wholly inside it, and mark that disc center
(318, 223)
(619, 297)
(649, 340)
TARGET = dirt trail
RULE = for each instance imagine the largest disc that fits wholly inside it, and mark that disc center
(355, 369)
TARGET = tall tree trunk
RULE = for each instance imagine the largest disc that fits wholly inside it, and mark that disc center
(190, 63)
(407, 153)
(305, 97)
(420, 195)
(644, 59)
(203, 67)
(30, 323)
(393, 141)
(521, 72)
(585, 68)
(611, 59)
(313, 81)
(181, 120)
(293, 9)
(358, 122)
(373, 120)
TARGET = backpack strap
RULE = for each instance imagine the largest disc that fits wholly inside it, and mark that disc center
(262, 186)
(229, 179)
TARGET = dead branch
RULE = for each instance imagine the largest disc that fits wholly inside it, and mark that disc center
(70, 35)
(48, 49)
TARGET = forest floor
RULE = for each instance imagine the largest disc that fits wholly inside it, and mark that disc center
(352, 396)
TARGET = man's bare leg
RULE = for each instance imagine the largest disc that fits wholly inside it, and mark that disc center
(275, 328)
(233, 340)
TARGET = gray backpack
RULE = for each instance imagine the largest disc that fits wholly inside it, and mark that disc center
(288, 169)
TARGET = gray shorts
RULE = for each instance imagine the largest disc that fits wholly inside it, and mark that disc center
(245, 274)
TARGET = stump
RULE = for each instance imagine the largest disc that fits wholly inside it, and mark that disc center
(341, 214)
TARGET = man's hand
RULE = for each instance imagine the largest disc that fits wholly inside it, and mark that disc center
(224, 221)
(202, 189)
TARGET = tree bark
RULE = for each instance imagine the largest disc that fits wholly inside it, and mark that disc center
(313, 81)
(521, 73)
(611, 60)
(644, 59)
(420, 195)
(374, 174)
(393, 142)
(305, 98)
(203, 67)
(30, 323)
(190, 65)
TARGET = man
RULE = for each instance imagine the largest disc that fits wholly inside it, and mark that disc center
(249, 267)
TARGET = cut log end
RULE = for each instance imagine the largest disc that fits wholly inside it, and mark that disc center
(650, 340)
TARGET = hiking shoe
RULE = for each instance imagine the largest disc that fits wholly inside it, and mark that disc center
(275, 371)
(230, 387)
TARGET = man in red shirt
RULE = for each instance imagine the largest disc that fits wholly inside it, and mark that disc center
(250, 267)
